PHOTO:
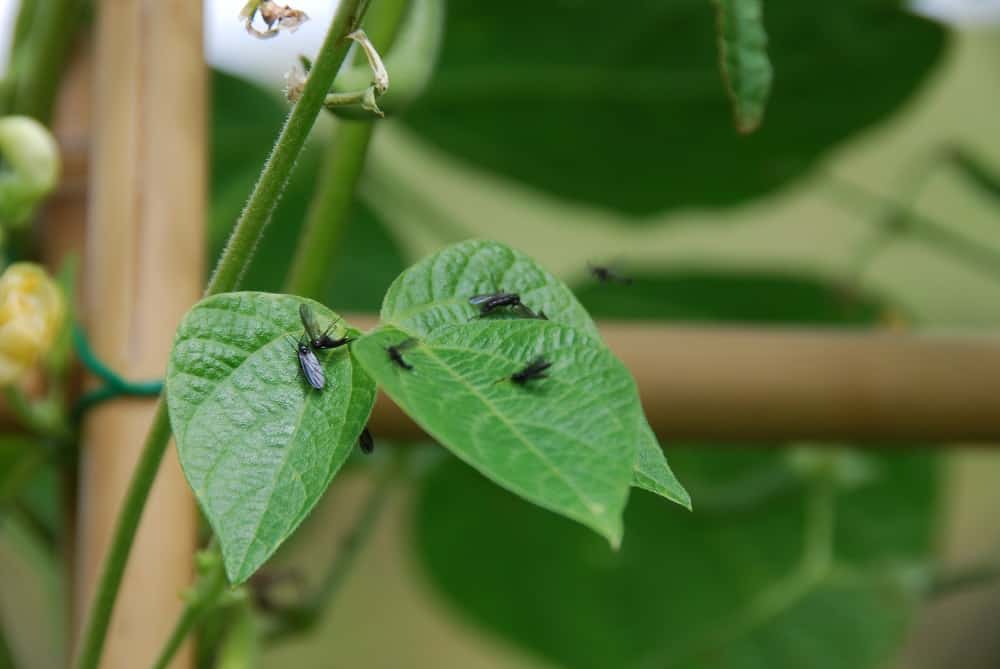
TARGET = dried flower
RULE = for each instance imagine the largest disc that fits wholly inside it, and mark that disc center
(380, 76)
(274, 16)
(32, 310)
(295, 82)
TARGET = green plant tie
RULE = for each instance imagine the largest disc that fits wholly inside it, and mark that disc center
(114, 385)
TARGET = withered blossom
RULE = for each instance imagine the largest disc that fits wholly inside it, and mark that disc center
(274, 16)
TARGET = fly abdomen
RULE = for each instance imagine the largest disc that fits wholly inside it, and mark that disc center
(366, 442)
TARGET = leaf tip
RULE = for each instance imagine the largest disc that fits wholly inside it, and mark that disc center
(613, 530)
(684, 499)
(236, 574)
(748, 126)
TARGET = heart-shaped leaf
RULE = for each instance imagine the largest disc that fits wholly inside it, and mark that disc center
(686, 590)
(619, 104)
(555, 441)
(258, 445)
(435, 292)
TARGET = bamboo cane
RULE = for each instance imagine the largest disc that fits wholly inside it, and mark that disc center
(746, 384)
(143, 269)
(62, 234)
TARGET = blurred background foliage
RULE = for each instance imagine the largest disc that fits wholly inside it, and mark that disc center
(577, 136)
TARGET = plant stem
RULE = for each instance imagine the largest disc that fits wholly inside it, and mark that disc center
(952, 581)
(6, 655)
(41, 55)
(305, 616)
(206, 593)
(235, 259)
(330, 208)
(238, 649)
(278, 168)
(922, 227)
(22, 472)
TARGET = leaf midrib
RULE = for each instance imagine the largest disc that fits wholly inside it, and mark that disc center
(517, 433)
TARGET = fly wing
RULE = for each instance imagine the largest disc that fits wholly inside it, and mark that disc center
(308, 321)
(485, 297)
(406, 343)
(312, 369)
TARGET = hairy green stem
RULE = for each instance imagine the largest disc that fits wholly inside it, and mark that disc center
(278, 168)
(330, 208)
(202, 600)
(305, 616)
(235, 259)
(328, 212)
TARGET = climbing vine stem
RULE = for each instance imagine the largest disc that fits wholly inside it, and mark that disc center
(229, 270)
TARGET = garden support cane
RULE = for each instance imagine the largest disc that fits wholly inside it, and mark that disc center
(147, 204)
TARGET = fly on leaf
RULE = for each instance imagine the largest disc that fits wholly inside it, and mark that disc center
(532, 371)
(396, 355)
(311, 369)
(319, 340)
(490, 303)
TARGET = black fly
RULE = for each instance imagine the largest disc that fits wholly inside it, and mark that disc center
(490, 302)
(366, 442)
(319, 340)
(311, 369)
(396, 355)
(533, 370)
(608, 275)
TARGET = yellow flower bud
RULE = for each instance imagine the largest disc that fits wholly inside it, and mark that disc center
(32, 309)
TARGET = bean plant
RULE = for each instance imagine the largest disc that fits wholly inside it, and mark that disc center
(268, 393)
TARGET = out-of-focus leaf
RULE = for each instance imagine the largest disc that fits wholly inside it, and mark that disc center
(743, 59)
(705, 590)
(20, 462)
(620, 106)
(685, 590)
(368, 261)
(732, 296)
(258, 445)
